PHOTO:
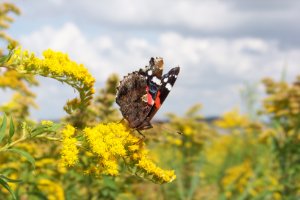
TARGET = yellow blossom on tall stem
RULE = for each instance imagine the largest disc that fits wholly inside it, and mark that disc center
(58, 66)
(237, 177)
(112, 141)
(232, 119)
(69, 152)
(53, 190)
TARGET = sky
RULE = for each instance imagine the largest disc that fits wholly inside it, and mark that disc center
(219, 45)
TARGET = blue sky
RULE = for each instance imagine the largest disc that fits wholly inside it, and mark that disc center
(219, 45)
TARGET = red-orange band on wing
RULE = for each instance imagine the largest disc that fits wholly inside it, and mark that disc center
(157, 100)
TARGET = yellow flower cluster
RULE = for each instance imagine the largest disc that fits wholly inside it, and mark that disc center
(108, 142)
(112, 141)
(266, 134)
(44, 162)
(47, 122)
(53, 190)
(232, 119)
(241, 179)
(238, 176)
(13, 80)
(30, 147)
(283, 100)
(149, 170)
(58, 66)
(54, 64)
(69, 152)
(217, 151)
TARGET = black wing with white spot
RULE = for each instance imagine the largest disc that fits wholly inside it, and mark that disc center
(153, 74)
(167, 82)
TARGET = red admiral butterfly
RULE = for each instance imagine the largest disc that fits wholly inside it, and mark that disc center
(141, 93)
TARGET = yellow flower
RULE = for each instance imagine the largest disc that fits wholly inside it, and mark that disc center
(58, 66)
(107, 140)
(14, 80)
(47, 122)
(232, 119)
(44, 162)
(53, 190)
(61, 168)
(188, 145)
(112, 141)
(69, 131)
(134, 147)
(201, 174)
(187, 130)
(238, 176)
(277, 196)
(266, 134)
(69, 152)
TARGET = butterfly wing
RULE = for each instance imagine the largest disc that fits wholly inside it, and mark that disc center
(153, 74)
(137, 91)
(132, 99)
(167, 81)
(141, 93)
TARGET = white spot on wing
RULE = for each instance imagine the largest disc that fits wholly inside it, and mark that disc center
(156, 80)
(149, 72)
(165, 80)
(169, 86)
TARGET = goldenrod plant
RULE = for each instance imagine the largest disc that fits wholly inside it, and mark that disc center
(101, 108)
(283, 108)
(6, 9)
(77, 150)
(109, 143)
(91, 154)
(104, 101)
(23, 98)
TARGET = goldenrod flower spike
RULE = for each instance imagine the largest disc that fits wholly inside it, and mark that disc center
(69, 152)
(112, 141)
(53, 190)
(58, 66)
(232, 119)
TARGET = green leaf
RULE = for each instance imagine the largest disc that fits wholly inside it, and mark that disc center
(11, 129)
(10, 180)
(4, 59)
(6, 186)
(40, 129)
(38, 194)
(3, 127)
(25, 154)
(55, 127)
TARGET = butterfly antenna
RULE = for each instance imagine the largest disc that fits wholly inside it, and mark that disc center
(171, 130)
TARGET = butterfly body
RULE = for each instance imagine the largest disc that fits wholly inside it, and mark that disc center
(141, 93)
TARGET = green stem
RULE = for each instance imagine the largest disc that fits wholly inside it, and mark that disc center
(49, 138)
(23, 138)
(7, 146)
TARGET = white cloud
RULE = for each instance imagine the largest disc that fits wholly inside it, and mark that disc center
(201, 16)
(205, 14)
(212, 68)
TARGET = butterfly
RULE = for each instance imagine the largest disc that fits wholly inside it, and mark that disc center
(141, 93)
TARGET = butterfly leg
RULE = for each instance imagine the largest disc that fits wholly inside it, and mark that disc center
(141, 134)
(121, 121)
(143, 137)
